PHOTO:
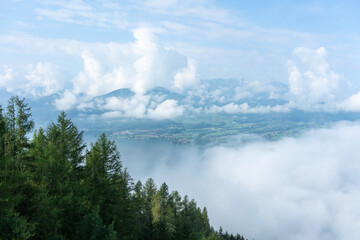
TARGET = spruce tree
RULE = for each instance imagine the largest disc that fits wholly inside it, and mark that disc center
(109, 187)
(65, 155)
(15, 181)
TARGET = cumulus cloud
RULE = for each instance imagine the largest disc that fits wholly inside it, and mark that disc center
(134, 107)
(186, 77)
(93, 81)
(295, 188)
(351, 104)
(66, 102)
(6, 78)
(145, 63)
(141, 106)
(166, 110)
(42, 79)
(140, 65)
(232, 108)
(311, 81)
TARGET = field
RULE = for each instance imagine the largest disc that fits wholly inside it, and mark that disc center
(218, 128)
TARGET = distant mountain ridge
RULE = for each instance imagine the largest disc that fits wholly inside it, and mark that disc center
(217, 109)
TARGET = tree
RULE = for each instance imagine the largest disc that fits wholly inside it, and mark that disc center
(68, 142)
(138, 198)
(19, 125)
(110, 187)
(2, 136)
(92, 228)
(206, 229)
(149, 192)
(15, 181)
(163, 215)
(46, 209)
(64, 158)
(48, 191)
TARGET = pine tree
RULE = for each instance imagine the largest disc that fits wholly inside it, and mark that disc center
(110, 187)
(206, 229)
(47, 211)
(92, 227)
(15, 182)
(138, 199)
(149, 191)
(163, 215)
(48, 191)
(65, 155)
(2, 136)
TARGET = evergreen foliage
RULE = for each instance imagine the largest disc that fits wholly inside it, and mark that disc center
(52, 187)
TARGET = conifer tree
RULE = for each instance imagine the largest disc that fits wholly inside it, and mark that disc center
(49, 191)
(206, 229)
(110, 187)
(47, 212)
(163, 215)
(149, 191)
(65, 154)
(15, 181)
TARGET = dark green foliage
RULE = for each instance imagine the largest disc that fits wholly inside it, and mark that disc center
(16, 186)
(13, 226)
(92, 227)
(53, 188)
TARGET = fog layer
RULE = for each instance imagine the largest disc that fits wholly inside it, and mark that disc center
(295, 188)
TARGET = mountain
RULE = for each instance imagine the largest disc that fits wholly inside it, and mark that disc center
(216, 110)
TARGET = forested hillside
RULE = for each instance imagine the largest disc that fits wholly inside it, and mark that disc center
(55, 187)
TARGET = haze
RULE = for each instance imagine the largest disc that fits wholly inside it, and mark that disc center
(167, 59)
(295, 188)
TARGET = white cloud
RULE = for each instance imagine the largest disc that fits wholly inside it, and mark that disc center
(166, 110)
(66, 102)
(311, 80)
(134, 107)
(186, 77)
(232, 108)
(145, 63)
(140, 66)
(7, 78)
(140, 106)
(295, 188)
(79, 12)
(156, 66)
(351, 104)
(93, 81)
(196, 9)
(42, 79)
(161, 3)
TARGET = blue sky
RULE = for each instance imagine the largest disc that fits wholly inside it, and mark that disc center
(50, 46)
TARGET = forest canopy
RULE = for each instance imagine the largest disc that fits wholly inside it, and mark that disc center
(55, 187)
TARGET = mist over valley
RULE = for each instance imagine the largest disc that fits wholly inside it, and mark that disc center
(240, 119)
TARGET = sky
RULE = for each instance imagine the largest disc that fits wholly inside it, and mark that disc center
(73, 47)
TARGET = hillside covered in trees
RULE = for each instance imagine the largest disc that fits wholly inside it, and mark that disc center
(55, 187)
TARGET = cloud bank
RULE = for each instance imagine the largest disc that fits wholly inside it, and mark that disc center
(295, 188)
(145, 64)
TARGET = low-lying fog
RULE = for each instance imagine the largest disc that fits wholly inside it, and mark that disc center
(295, 188)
